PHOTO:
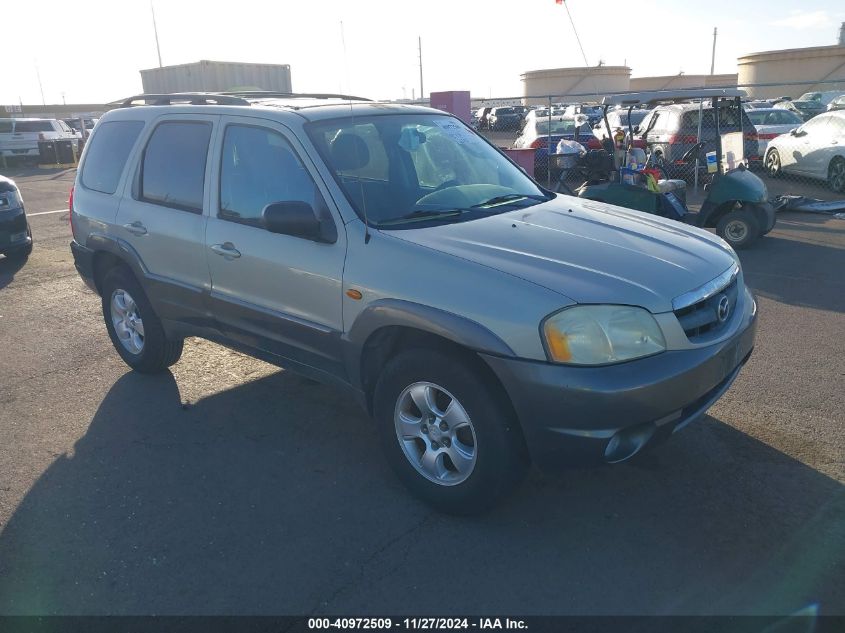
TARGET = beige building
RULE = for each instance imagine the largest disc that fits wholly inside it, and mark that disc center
(681, 81)
(582, 81)
(818, 63)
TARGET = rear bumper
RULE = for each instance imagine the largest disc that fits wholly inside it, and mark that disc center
(573, 415)
(83, 260)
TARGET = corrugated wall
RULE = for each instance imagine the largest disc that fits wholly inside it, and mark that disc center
(210, 76)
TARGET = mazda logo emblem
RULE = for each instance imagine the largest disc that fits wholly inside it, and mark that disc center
(724, 309)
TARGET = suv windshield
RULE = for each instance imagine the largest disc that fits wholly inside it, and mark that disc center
(401, 169)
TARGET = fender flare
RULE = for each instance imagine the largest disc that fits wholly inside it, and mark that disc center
(399, 313)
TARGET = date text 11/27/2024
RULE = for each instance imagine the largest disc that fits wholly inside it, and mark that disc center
(422, 624)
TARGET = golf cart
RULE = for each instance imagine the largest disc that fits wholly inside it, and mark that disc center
(736, 203)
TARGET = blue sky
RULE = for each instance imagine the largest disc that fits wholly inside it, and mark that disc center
(92, 50)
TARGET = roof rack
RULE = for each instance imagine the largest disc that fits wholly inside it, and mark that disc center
(271, 94)
(191, 98)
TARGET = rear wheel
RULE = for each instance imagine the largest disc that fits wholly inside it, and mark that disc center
(135, 330)
(836, 174)
(451, 438)
(738, 228)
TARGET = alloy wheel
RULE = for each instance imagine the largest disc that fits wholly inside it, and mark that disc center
(435, 433)
(127, 321)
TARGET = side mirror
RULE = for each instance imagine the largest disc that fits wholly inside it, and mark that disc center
(636, 129)
(294, 218)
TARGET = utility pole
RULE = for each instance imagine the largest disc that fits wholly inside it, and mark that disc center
(713, 56)
(155, 31)
(38, 75)
(422, 94)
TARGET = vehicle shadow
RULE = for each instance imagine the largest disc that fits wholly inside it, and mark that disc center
(800, 272)
(8, 269)
(273, 497)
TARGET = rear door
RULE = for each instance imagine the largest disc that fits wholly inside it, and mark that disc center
(273, 292)
(163, 213)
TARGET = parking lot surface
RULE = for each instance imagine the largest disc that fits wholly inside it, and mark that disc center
(232, 487)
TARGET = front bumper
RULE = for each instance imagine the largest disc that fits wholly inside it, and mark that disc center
(14, 231)
(576, 415)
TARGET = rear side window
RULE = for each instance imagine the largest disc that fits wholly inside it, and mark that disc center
(34, 126)
(5, 126)
(173, 170)
(107, 155)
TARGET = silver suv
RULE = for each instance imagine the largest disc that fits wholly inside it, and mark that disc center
(483, 321)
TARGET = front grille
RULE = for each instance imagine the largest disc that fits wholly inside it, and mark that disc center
(702, 318)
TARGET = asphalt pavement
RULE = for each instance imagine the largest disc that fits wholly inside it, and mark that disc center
(232, 487)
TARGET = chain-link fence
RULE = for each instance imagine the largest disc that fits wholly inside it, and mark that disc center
(794, 143)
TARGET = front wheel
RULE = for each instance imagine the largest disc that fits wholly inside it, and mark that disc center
(772, 164)
(450, 436)
(836, 174)
(738, 228)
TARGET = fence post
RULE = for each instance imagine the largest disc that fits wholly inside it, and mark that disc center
(698, 140)
(549, 149)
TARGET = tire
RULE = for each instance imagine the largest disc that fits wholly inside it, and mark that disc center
(738, 228)
(772, 164)
(836, 174)
(484, 435)
(142, 343)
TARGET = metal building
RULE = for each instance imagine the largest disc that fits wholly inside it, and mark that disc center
(210, 76)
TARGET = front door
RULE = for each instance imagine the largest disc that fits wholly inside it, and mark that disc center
(273, 292)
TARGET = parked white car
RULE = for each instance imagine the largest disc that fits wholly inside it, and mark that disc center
(771, 123)
(19, 137)
(816, 149)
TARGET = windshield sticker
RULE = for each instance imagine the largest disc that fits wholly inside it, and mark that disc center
(456, 131)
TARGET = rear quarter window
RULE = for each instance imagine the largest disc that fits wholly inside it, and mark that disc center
(107, 154)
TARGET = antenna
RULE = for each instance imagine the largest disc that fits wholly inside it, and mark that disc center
(155, 31)
(352, 117)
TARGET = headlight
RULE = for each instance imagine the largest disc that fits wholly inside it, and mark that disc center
(601, 334)
(10, 200)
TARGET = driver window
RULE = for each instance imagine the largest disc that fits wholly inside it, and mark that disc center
(260, 167)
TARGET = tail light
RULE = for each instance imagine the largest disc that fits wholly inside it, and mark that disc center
(751, 136)
(684, 139)
(640, 143)
(767, 136)
(537, 143)
(70, 209)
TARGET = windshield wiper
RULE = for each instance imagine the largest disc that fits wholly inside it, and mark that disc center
(421, 215)
(511, 197)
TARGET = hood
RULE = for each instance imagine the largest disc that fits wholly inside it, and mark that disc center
(590, 252)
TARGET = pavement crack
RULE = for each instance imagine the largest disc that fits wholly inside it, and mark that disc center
(362, 566)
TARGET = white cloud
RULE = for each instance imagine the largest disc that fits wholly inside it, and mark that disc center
(806, 20)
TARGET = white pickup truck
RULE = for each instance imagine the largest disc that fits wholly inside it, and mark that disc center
(19, 137)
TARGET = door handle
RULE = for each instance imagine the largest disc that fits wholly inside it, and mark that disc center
(136, 228)
(227, 250)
